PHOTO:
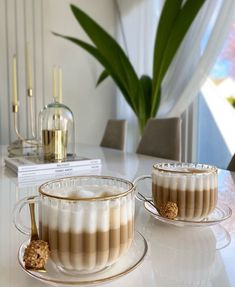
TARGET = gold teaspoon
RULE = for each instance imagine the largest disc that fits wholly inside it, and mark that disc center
(34, 235)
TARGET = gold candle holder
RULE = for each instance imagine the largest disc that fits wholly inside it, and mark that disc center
(15, 109)
(21, 146)
(55, 144)
(57, 132)
(17, 147)
(57, 125)
(31, 112)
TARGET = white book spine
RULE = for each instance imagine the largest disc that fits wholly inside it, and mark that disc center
(56, 171)
(50, 166)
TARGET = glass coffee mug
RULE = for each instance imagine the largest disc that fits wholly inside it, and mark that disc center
(88, 221)
(193, 187)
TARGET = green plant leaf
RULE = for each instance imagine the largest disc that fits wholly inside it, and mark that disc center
(102, 77)
(144, 94)
(157, 104)
(167, 20)
(95, 52)
(146, 84)
(112, 52)
(182, 23)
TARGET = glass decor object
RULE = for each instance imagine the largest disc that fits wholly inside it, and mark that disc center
(56, 132)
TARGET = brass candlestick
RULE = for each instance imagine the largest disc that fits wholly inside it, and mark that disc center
(31, 112)
(15, 109)
(18, 147)
(56, 131)
(21, 146)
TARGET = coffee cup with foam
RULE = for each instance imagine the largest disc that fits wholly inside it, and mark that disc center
(88, 221)
(186, 191)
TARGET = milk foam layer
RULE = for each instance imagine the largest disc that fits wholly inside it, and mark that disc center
(188, 181)
(90, 191)
(88, 216)
(84, 191)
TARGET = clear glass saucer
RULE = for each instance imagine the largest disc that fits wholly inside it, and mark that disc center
(220, 213)
(126, 264)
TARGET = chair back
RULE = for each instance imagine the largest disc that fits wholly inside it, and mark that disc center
(231, 165)
(115, 134)
(162, 138)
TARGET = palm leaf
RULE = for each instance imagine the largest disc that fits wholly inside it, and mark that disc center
(112, 52)
(146, 83)
(144, 94)
(95, 52)
(102, 77)
(168, 16)
(182, 23)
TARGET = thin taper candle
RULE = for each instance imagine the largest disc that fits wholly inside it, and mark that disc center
(55, 84)
(29, 67)
(60, 86)
(14, 82)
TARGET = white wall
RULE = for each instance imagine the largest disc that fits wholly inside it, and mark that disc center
(32, 21)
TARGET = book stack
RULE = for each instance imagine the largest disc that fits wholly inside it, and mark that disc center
(31, 166)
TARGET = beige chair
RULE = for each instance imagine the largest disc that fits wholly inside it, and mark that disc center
(115, 134)
(162, 138)
(231, 165)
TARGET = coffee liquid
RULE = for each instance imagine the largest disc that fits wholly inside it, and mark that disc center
(87, 251)
(194, 190)
(191, 204)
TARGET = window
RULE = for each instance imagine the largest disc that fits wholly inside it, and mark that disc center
(216, 112)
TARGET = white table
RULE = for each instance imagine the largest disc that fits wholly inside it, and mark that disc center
(176, 256)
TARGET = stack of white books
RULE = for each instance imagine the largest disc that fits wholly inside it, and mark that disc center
(29, 166)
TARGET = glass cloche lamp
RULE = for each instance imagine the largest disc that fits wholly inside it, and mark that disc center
(57, 132)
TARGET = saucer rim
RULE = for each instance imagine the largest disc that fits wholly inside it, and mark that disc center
(188, 223)
(34, 274)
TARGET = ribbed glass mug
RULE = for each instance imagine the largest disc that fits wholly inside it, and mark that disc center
(193, 187)
(88, 221)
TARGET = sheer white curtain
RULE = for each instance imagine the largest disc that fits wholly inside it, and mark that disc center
(137, 25)
(196, 56)
(192, 62)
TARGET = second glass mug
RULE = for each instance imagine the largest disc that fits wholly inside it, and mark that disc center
(85, 233)
(192, 187)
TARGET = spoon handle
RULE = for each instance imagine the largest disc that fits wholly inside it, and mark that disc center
(34, 231)
(145, 199)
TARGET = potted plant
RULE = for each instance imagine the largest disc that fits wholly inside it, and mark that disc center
(142, 94)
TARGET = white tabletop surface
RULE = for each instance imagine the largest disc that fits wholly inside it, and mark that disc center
(176, 256)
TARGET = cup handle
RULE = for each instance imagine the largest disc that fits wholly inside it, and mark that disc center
(17, 210)
(138, 195)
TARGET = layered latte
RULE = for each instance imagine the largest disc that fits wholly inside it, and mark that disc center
(192, 187)
(88, 235)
